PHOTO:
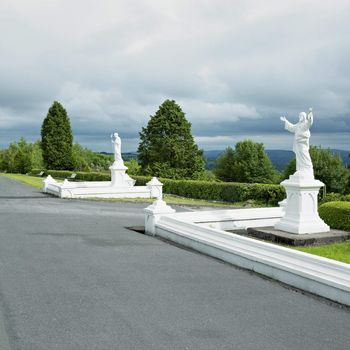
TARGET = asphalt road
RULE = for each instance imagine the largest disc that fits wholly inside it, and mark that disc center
(73, 277)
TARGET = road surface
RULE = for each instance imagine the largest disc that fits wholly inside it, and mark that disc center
(72, 276)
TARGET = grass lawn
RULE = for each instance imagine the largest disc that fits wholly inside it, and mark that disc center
(33, 181)
(336, 251)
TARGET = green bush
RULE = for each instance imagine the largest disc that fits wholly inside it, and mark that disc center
(336, 214)
(21, 157)
(220, 191)
(81, 176)
(335, 197)
(209, 190)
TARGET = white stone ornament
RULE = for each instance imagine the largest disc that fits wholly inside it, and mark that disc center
(301, 206)
(156, 188)
(301, 145)
(117, 146)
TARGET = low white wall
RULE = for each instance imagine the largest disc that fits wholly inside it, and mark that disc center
(94, 189)
(321, 276)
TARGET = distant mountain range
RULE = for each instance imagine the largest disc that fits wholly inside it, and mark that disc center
(279, 158)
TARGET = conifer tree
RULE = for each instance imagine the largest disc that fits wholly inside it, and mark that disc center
(167, 147)
(57, 139)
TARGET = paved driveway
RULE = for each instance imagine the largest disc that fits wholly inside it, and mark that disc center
(73, 277)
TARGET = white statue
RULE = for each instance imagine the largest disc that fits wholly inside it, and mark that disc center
(117, 144)
(301, 142)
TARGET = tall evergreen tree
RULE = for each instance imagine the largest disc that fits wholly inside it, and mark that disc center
(57, 139)
(167, 147)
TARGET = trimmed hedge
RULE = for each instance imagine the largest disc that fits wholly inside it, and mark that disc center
(336, 214)
(335, 197)
(216, 191)
(224, 191)
(81, 176)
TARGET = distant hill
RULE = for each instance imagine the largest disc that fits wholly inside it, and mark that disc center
(126, 156)
(279, 158)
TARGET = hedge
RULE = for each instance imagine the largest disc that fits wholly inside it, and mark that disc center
(336, 214)
(335, 197)
(81, 176)
(216, 191)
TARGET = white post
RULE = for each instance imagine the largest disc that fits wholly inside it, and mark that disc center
(47, 181)
(156, 188)
(153, 213)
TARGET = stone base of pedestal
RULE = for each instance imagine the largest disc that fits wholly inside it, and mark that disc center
(311, 239)
(301, 214)
(119, 177)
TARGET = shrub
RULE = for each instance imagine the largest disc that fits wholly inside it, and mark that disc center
(220, 191)
(336, 215)
(82, 176)
(335, 197)
(21, 157)
(133, 167)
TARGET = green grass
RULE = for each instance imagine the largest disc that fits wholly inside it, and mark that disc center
(171, 199)
(336, 251)
(33, 181)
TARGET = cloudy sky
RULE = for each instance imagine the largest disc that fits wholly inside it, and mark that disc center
(234, 66)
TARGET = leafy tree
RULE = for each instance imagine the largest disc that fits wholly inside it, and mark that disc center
(80, 158)
(167, 147)
(37, 161)
(3, 160)
(21, 157)
(225, 165)
(247, 163)
(86, 160)
(328, 168)
(57, 139)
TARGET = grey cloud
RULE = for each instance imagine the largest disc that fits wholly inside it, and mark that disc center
(234, 67)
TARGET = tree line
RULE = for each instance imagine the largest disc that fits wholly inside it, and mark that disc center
(167, 149)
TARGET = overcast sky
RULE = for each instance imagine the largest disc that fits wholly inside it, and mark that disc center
(234, 67)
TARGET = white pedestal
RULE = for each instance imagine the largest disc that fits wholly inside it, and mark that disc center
(153, 213)
(119, 177)
(301, 213)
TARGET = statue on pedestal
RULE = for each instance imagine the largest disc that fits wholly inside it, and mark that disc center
(301, 142)
(300, 207)
(119, 176)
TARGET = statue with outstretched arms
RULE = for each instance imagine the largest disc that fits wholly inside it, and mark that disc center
(301, 142)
